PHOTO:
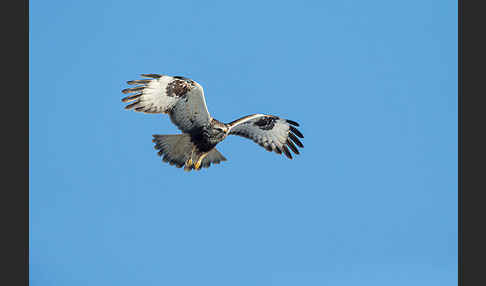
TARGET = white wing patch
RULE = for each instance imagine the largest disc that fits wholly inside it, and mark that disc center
(180, 97)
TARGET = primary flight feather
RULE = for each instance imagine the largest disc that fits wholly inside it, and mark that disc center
(183, 99)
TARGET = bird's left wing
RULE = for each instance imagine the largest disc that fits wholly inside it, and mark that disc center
(271, 132)
(180, 97)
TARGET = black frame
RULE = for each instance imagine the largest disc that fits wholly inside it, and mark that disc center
(471, 144)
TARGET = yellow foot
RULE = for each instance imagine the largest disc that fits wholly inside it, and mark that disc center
(197, 166)
(188, 164)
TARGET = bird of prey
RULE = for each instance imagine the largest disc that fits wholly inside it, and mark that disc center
(183, 100)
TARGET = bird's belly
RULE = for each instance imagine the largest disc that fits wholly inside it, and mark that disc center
(203, 142)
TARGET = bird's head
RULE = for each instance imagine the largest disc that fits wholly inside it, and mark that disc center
(220, 129)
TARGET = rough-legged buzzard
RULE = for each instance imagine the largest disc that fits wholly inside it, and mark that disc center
(183, 99)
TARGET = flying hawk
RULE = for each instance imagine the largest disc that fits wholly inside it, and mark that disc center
(183, 99)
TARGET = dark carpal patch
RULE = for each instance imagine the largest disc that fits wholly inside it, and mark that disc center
(178, 88)
(266, 123)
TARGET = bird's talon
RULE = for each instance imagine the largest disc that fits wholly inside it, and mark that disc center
(197, 166)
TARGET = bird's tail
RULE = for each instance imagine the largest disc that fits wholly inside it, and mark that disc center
(179, 150)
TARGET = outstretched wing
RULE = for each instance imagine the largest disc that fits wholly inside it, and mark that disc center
(180, 97)
(271, 132)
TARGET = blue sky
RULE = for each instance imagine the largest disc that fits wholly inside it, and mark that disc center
(371, 200)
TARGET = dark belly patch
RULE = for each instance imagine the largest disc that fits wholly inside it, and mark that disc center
(200, 138)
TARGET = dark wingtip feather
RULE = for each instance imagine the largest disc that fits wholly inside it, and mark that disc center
(296, 131)
(131, 97)
(287, 152)
(292, 147)
(179, 77)
(139, 81)
(132, 104)
(296, 140)
(151, 75)
(292, 122)
(133, 89)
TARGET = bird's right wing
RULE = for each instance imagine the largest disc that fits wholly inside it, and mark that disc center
(182, 98)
